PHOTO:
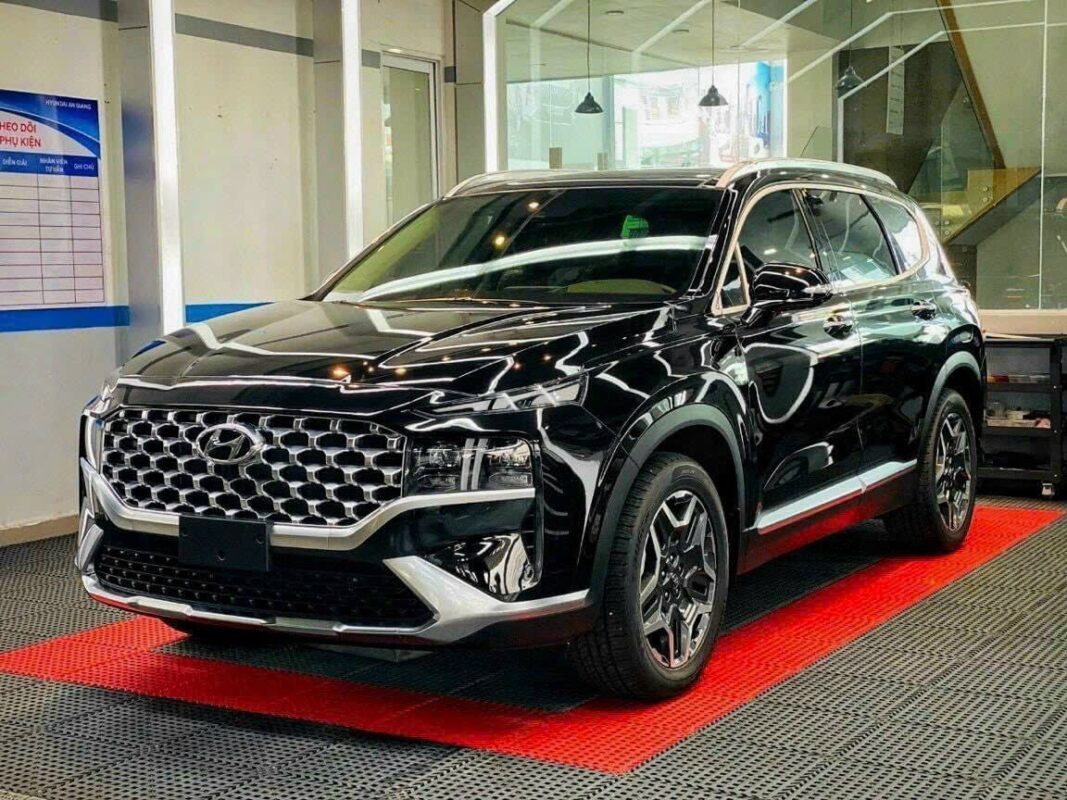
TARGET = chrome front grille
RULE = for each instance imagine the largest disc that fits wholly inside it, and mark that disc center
(311, 470)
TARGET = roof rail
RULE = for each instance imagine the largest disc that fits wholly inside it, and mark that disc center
(744, 168)
(494, 178)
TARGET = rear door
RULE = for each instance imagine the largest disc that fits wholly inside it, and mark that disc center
(804, 371)
(876, 246)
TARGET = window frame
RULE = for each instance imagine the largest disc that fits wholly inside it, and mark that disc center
(743, 275)
(734, 247)
(795, 185)
(894, 246)
(844, 284)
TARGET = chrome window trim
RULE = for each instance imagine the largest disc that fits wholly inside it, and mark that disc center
(749, 202)
(847, 286)
(923, 231)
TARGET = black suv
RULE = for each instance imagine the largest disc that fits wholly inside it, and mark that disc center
(551, 407)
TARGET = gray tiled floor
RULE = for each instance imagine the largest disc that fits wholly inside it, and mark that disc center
(963, 695)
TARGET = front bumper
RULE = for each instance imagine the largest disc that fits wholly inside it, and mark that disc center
(459, 611)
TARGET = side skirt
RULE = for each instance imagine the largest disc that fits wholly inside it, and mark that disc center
(870, 494)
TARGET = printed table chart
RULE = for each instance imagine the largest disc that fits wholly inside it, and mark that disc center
(50, 237)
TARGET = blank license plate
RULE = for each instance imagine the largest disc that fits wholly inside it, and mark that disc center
(224, 543)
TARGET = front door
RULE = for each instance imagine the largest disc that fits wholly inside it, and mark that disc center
(804, 375)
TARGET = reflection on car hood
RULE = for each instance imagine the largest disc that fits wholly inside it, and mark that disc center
(467, 347)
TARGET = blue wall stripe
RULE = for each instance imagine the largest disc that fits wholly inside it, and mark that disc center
(53, 319)
(50, 319)
(203, 311)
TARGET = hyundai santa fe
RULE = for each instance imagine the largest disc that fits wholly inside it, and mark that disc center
(549, 408)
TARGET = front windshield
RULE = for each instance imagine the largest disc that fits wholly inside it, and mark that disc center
(556, 245)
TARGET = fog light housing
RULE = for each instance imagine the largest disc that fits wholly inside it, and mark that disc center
(470, 465)
(499, 565)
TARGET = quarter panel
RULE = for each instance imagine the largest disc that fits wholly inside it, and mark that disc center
(903, 355)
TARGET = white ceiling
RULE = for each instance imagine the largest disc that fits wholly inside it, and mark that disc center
(546, 38)
(643, 35)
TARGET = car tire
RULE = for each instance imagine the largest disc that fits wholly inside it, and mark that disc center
(630, 650)
(939, 516)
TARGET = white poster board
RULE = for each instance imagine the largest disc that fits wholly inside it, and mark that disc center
(51, 251)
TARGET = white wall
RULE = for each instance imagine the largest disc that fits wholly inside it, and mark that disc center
(1015, 115)
(810, 107)
(247, 157)
(279, 16)
(46, 377)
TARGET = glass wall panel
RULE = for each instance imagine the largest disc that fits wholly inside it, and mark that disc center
(409, 135)
(961, 102)
(1054, 172)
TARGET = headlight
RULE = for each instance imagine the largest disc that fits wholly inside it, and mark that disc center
(558, 393)
(471, 465)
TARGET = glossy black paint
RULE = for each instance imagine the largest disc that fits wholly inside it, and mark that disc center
(778, 288)
(777, 404)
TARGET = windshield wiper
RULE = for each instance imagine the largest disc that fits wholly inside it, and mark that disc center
(460, 299)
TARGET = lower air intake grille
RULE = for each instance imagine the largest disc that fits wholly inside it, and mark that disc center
(311, 587)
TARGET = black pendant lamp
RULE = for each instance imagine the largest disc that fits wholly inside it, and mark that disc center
(713, 97)
(589, 105)
(849, 79)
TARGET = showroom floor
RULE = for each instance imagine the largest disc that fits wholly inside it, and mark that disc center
(851, 669)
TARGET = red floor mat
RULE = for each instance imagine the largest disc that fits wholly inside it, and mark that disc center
(605, 734)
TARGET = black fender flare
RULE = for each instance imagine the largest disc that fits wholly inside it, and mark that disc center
(639, 453)
(961, 359)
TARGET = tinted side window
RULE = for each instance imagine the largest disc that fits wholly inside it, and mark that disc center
(903, 231)
(855, 250)
(774, 232)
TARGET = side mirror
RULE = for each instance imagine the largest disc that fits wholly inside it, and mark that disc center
(786, 287)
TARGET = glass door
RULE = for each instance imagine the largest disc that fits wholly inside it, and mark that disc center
(409, 117)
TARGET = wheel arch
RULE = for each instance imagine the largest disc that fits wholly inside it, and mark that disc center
(962, 373)
(700, 432)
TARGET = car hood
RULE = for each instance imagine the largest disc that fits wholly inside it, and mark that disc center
(464, 347)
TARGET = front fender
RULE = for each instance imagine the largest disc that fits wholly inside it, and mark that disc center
(681, 408)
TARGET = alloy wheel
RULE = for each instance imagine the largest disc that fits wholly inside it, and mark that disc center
(952, 471)
(678, 568)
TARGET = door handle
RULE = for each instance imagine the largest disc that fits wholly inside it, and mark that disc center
(924, 309)
(839, 325)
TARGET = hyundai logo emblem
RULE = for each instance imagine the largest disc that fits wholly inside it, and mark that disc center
(229, 443)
